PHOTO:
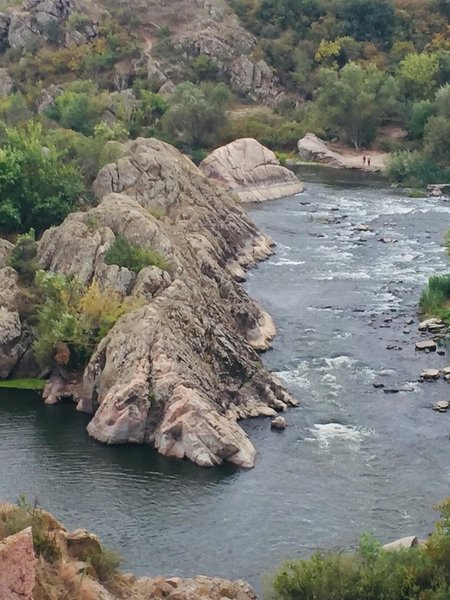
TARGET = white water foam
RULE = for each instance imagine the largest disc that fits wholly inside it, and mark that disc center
(328, 434)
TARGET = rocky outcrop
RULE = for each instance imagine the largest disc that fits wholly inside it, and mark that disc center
(17, 566)
(208, 29)
(312, 148)
(178, 372)
(44, 20)
(74, 575)
(251, 171)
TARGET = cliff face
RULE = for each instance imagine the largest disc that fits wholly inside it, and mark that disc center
(181, 370)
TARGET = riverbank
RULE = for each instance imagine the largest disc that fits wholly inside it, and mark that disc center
(313, 149)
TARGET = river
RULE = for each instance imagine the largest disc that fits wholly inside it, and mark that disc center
(352, 459)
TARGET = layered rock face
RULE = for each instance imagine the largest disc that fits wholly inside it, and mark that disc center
(209, 28)
(39, 20)
(251, 171)
(178, 372)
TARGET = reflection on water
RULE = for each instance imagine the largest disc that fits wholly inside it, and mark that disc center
(352, 458)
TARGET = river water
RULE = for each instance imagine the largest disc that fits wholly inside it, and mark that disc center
(353, 458)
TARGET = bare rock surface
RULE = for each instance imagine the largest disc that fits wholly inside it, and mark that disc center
(312, 148)
(251, 171)
(17, 566)
(178, 372)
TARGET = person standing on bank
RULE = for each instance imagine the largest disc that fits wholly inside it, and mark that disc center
(368, 161)
(364, 160)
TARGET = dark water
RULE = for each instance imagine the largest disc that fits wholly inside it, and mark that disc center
(352, 459)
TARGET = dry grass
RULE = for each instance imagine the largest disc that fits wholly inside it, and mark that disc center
(62, 581)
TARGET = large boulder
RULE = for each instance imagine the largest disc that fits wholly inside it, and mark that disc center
(179, 371)
(312, 148)
(251, 171)
(17, 566)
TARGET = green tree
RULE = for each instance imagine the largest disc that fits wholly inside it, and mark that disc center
(437, 129)
(352, 103)
(196, 114)
(37, 188)
(417, 73)
(420, 113)
(368, 20)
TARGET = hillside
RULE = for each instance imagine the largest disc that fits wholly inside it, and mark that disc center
(200, 74)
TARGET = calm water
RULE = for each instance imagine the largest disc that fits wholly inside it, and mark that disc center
(352, 459)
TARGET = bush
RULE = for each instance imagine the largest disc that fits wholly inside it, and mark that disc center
(125, 254)
(414, 169)
(106, 563)
(372, 573)
(72, 319)
(23, 257)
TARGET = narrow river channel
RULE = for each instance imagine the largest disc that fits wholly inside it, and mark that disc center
(353, 458)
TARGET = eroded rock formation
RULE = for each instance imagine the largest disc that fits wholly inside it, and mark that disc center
(69, 571)
(181, 370)
(251, 171)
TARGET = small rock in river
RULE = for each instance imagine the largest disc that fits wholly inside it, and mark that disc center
(430, 374)
(441, 352)
(442, 406)
(279, 424)
(391, 390)
(446, 371)
(409, 321)
(429, 323)
(388, 240)
(378, 386)
(406, 331)
(426, 345)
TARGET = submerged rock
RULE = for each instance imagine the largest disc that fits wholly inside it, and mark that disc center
(442, 406)
(178, 372)
(251, 171)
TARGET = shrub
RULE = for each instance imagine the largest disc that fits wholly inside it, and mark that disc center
(125, 254)
(372, 573)
(23, 257)
(414, 169)
(72, 319)
(106, 563)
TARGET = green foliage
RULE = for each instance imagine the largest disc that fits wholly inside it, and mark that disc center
(148, 113)
(421, 112)
(204, 68)
(106, 563)
(23, 257)
(126, 254)
(417, 73)
(37, 188)
(435, 298)
(23, 384)
(414, 169)
(196, 114)
(79, 108)
(351, 103)
(72, 318)
(372, 573)
(368, 20)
